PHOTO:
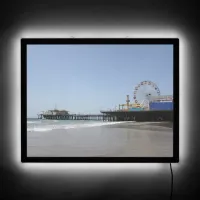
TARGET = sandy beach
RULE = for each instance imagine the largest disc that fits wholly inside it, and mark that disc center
(130, 139)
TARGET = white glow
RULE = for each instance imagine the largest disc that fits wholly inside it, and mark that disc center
(87, 33)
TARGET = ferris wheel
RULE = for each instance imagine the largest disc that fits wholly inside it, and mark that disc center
(144, 91)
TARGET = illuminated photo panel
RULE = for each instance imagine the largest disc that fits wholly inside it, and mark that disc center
(100, 100)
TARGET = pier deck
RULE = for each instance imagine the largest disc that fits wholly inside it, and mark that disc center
(150, 115)
(71, 117)
(144, 115)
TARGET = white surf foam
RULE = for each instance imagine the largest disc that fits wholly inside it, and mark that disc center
(71, 126)
(33, 122)
(92, 125)
(38, 129)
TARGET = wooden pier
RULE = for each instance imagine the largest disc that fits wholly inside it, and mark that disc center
(140, 116)
(157, 115)
(99, 117)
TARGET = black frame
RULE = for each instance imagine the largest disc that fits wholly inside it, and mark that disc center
(61, 41)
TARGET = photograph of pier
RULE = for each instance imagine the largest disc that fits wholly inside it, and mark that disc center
(100, 100)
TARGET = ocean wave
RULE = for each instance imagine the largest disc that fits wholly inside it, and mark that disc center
(71, 126)
(33, 122)
(38, 129)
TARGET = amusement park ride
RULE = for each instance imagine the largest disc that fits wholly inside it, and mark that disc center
(144, 93)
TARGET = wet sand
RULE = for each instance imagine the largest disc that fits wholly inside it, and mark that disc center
(130, 139)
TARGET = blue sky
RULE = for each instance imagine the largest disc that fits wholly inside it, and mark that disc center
(88, 78)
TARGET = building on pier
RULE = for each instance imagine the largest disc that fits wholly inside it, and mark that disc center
(56, 112)
(53, 114)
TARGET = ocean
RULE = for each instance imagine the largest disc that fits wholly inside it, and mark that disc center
(34, 124)
(71, 138)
